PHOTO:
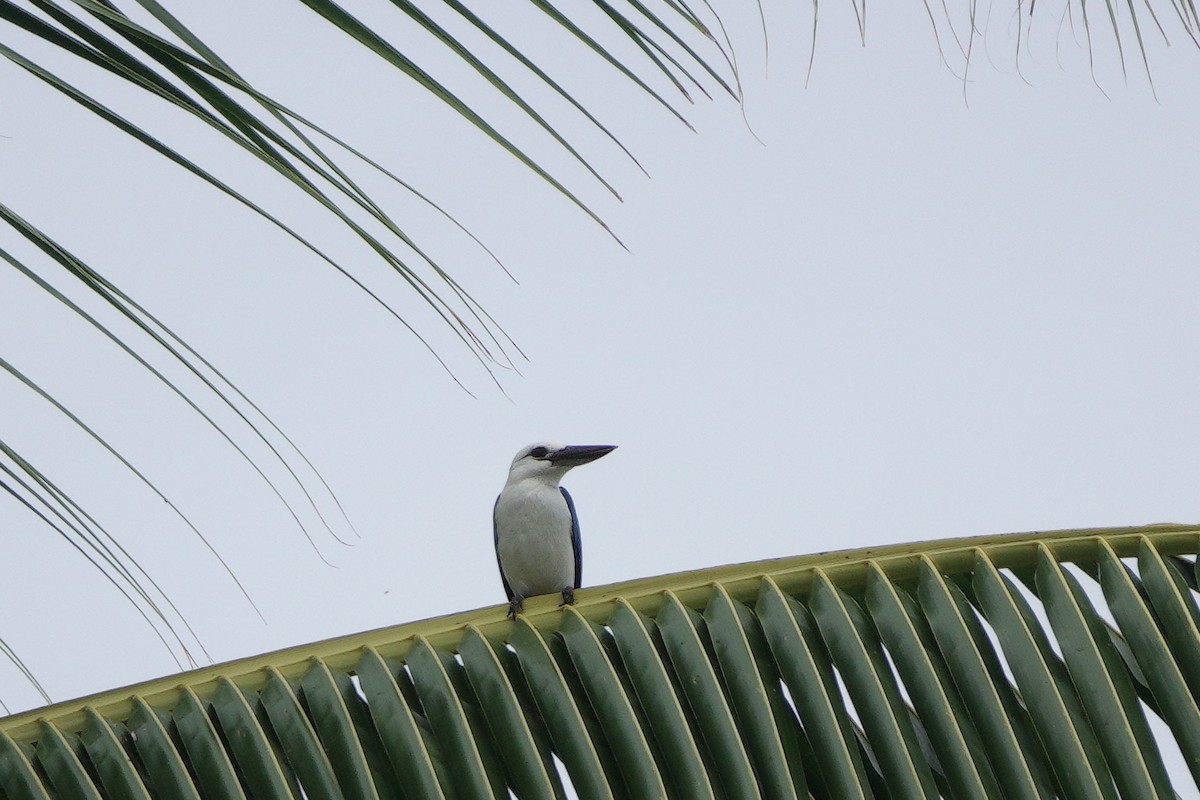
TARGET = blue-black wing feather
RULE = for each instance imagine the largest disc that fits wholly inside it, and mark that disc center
(496, 541)
(576, 541)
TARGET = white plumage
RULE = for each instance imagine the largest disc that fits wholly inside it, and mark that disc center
(535, 545)
(536, 529)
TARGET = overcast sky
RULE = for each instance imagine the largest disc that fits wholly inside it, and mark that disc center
(915, 309)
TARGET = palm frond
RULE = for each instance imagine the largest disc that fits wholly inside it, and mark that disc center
(1029, 665)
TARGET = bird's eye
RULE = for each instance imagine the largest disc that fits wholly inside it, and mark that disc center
(539, 452)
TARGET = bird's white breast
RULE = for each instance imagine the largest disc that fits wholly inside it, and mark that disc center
(533, 529)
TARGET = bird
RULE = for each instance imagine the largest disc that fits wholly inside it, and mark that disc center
(535, 527)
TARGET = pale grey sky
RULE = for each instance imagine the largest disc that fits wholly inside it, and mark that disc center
(905, 314)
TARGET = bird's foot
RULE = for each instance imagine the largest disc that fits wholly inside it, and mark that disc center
(568, 594)
(515, 606)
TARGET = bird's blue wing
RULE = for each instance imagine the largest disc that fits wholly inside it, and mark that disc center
(496, 541)
(576, 541)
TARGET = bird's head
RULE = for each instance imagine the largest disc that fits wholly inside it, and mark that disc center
(549, 461)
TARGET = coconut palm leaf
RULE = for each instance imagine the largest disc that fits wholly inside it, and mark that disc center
(190, 75)
(988, 667)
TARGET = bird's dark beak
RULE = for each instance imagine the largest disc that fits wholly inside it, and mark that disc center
(575, 454)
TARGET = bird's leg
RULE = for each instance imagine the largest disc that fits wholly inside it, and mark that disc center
(568, 594)
(515, 606)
